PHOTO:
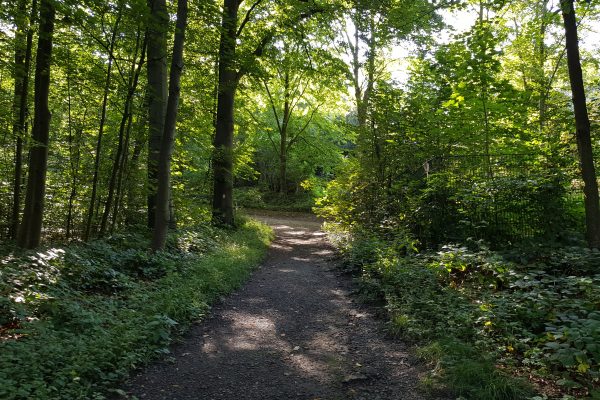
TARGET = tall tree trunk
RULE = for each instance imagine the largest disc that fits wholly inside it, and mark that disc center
(73, 192)
(157, 92)
(122, 172)
(163, 209)
(361, 114)
(582, 126)
(363, 97)
(74, 152)
(222, 159)
(93, 207)
(75, 156)
(283, 135)
(30, 230)
(132, 86)
(540, 47)
(138, 146)
(23, 46)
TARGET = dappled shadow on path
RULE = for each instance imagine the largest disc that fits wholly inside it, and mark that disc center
(292, 332)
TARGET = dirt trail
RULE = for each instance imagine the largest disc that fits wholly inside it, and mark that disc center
(292, 332)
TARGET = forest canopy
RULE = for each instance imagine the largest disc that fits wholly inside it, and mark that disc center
(277, 99)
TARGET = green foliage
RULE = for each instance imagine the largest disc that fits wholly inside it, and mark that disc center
(260, 198)
(481, 316)
(77, 319)
(301, 201)
(500, 209)
(249, 197)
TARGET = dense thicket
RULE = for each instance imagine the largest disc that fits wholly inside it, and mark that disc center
(478, 141)
(109, 124)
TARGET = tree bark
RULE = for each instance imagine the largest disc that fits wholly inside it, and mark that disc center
(23, 46)
(363, 97)
(222, 159)
(540, 48)
(163, 210)
(30, 230)
(582, 127)
(128, 183)
(157, 92)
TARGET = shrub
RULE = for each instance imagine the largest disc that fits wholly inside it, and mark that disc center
(529, 310)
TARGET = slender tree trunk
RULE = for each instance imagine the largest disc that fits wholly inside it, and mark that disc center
(541, 53)
(132, 165)
(282, 166)
(484, 103)
(223, 142)
(69, 224)
(361, 113)
(74, 156)
(283, 135)
(30, 230)
(163, 209)
(23, 48)
(121, 176)
(370, 68)
(132, 86)
(363, 98)
(582, 126)
(157, 91)
(70, 141)
(93, 206)
(124, 189)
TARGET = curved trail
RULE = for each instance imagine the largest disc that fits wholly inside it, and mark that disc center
(292, 332)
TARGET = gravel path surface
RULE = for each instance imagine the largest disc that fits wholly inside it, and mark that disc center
(292, 332)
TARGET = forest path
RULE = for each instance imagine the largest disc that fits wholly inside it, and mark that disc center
(292, 332)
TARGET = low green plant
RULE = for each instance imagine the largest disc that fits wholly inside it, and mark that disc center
(468, 373)
(488, 314)
(81, 317)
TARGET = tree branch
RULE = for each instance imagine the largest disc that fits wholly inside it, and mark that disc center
(247, 17)
(268, 134)
(301, 131)
(273, 106)
(270, 34)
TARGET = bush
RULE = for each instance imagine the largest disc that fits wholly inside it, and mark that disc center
(256, 198)
(249, 197)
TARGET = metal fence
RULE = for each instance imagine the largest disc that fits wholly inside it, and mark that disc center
(499, 197)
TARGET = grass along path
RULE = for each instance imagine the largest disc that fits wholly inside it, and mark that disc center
(75, 320)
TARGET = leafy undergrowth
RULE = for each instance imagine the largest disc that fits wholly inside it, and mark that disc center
(495, 324)
(75, 320)
(255, 198)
